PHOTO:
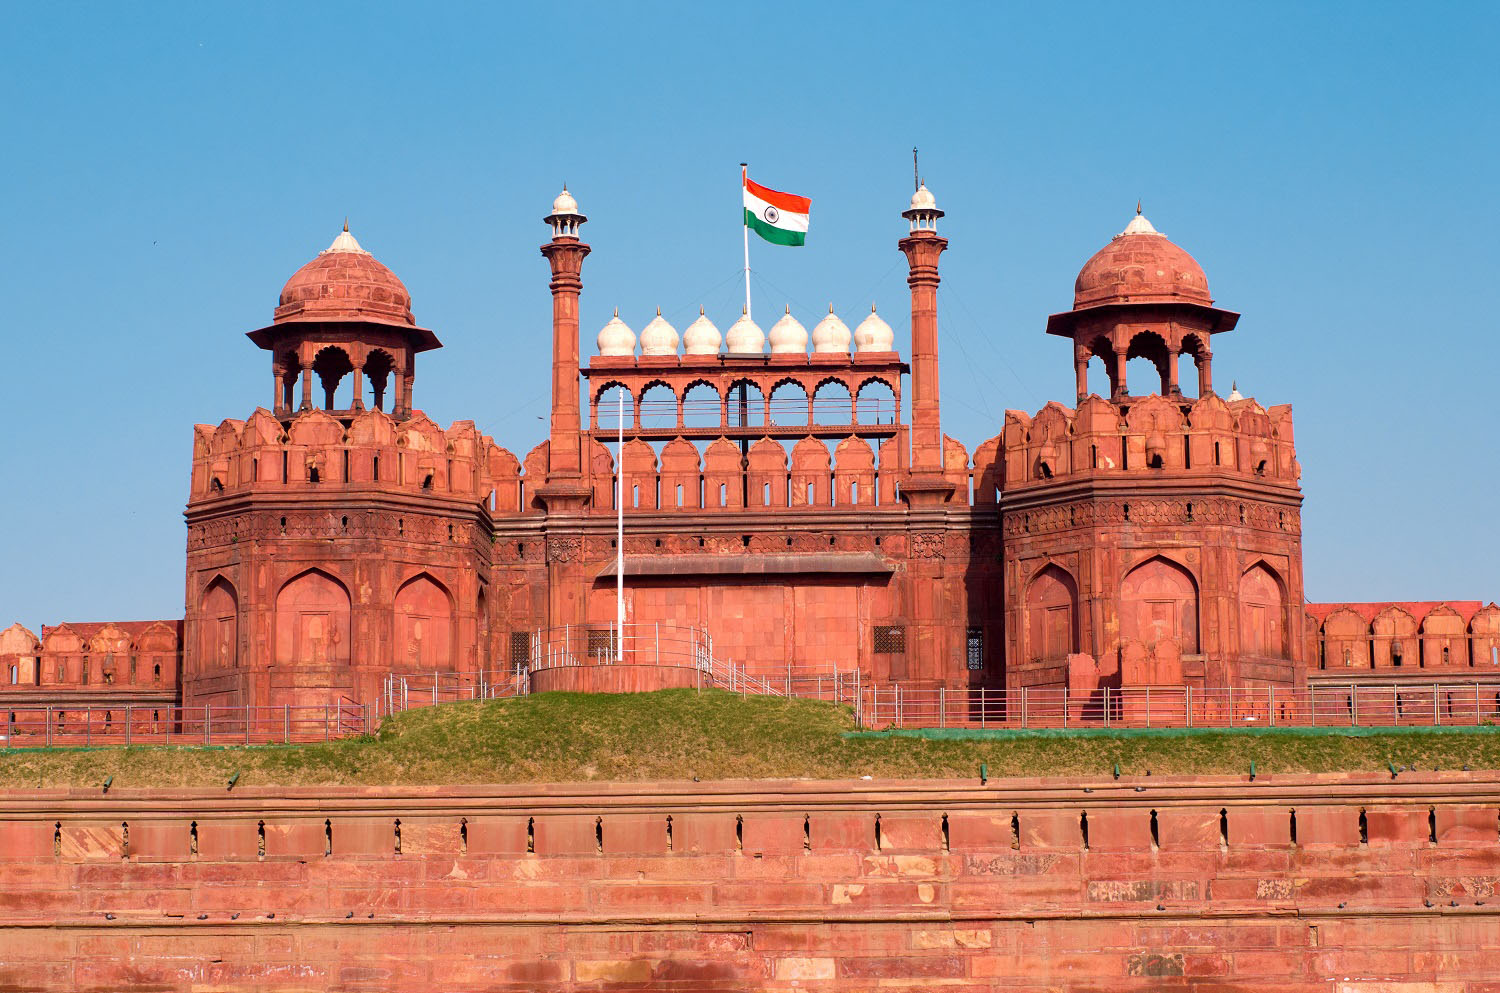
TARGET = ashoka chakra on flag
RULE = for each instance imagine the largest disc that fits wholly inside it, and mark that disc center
(780, 218)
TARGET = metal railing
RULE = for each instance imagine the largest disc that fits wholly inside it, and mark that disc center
(1352, 705)
(74, 726)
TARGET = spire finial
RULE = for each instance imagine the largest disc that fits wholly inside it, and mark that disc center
(745, 311)
(346, 223)
(700, 310)
(830, 306)
(788, 308)
(872, 308)
(617, 311)
(658, 310)
(1138, 208)
(565, 186)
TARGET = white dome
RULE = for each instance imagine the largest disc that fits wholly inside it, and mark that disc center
(701, 337)
(745, 337)
(831, 334)
(874, 334)
(616, 338)
(1138, 224)
(923, 199)
(788, 336)
(344, 243)
(565, 204)
(658, 337)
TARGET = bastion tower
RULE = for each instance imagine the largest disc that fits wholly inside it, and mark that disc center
(340, 535)
(1150, 537)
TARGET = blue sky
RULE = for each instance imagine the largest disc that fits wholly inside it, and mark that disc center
(1332, 167)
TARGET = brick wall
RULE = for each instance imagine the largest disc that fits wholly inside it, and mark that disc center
(1182, 884)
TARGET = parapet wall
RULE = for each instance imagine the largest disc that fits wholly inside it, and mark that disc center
(1287, 884)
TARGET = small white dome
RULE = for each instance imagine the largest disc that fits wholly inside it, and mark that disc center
(1234, 392)
(788, 336)
(658, 337)
(344, 243)
(565, 204)
(831, 334)
(701, 337)
(745, 337)
(1138, 225)
(923, 199)
(874, 334)
(616, 338)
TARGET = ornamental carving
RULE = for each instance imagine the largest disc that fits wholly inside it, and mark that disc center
(927, 544)
(1213, 512)
(563, 548)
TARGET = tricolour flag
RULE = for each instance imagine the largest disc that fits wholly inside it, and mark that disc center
(780, 218)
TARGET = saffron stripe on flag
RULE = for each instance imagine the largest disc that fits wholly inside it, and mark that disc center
(779, 200)
(773, 234)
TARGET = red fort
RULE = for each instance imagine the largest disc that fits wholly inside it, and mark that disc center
(789, 497)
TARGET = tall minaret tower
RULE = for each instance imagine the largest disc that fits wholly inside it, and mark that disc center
(925, 486)
(565, 488)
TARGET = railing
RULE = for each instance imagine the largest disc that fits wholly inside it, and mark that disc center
(71, 726)
(1437, 705)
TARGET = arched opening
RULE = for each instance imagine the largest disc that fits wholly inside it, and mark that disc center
(788, 407)
(378, 368)
(482, 613)
(1159, 602)
(747, 405)
(701, 406)
(1051, 615)
(424, 626)
(1101, 357)
(218, 626)
(611, 399)
(1262, 613)
(875, 403)
(291, 371)
(312, 621)
(1146, 360)
(331, 366)
(1191, 378)
(658, 407)
(833, 403)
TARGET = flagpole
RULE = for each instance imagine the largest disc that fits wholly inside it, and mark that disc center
(744, 176)
(620, 536)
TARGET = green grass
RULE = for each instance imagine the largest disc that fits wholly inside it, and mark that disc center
(680, 734)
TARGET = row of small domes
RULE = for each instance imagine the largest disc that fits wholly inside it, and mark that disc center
(744, 337)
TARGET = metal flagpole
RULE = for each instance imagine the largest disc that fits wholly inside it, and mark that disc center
(620, 536)
(744, 177)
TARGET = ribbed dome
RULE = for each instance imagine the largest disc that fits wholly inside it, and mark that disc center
(1140, 265)
(701, 337)
(923, 199)
(874, 334)
(745, 337)
(565, 204)
(831, 334)
(345, 283)
(658, 337)
(616, 338)
(788, 336)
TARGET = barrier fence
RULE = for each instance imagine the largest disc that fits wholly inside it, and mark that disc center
(1352, 705)
(57, 726)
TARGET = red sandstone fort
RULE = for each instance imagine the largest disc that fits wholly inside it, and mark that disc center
(780, 502)
(776, 496)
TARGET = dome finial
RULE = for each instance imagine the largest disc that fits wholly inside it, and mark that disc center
(700, 310)
(1137, 207)
(617, 311)
(346, 223)
(658, 310)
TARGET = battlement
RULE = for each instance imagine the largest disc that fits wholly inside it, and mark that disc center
(1101, 439)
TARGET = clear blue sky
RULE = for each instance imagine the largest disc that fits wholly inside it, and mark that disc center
(166, 169)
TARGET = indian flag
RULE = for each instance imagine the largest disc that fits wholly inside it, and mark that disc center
(780, 218)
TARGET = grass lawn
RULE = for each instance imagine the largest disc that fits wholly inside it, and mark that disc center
(679, 734)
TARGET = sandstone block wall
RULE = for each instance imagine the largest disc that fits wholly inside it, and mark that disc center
(1288, 884)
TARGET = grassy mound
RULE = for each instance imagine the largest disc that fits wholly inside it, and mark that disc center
(680, 734)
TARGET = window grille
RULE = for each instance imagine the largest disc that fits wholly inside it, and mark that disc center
(974, 650)
(890, 639)
(602, 644)
(520, 648)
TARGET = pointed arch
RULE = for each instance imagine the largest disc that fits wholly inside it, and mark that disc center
(218, 625)
(1159, 602)
(312, 620)
(424, 625)
(1263, 606)
(1051, 624)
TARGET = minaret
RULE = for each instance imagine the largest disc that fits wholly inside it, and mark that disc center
(565, 487)
(925, 484)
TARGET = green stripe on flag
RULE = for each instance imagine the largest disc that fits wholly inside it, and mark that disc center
(775, 235)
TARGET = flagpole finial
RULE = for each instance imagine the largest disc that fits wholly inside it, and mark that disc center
(915, 180)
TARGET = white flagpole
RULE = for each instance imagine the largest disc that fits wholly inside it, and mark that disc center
(745, 175)
(620, 536)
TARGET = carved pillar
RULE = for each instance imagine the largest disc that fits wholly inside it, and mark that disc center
(278, 390)
(307, 403)
(1205, 374)
(1121, 389)
(1081, 374)
(1172, 387)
